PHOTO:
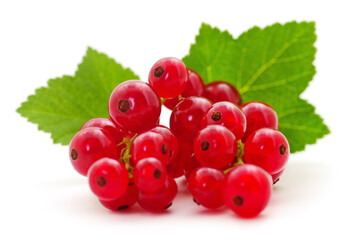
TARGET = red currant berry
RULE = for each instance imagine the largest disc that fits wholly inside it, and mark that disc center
(115, 131)
(174, 165)
(125, 201)
(259, 115)
(89, 145)
(276, 176)
(171, 103)
(228, 115)
(160, 200)
(177, 168)
(247, 190)
(267, 148)
(206, 186)
(222, 91)
(185, 120)
(149, 174)
(169, 77)
(190, 162)
(190, 165)
(195, 87)
(134, 106)
(215, 146)
(150, 144)
(108, 179)
(169, 139)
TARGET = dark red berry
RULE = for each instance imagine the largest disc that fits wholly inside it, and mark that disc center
(149, 174)
(206, 186)
(150, 144)
(185, 120)
(222, 91)
(194, 87)
(134, 106)
(115, 131)
(88, 146)
(215, 146)
(108, 179)
(125, 201)
(170, 141)
(228, 115)
(247, 190)
(169, 77)
(259, 115)
(161, 200)
(267, 148)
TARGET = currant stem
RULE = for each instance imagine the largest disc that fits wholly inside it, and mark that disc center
(240, 149)
(240, 153)
(125, 154)
(162, 100)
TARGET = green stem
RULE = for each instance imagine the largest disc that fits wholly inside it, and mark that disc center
(126, 154)
(240, 153)
(162, 100)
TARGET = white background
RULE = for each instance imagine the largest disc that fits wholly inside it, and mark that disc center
(42, 197)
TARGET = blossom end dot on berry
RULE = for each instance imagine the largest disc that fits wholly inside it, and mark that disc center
(74, 154)
(205, 145)
(101, 181)
(216, 116)
(157, 173)
(123, 207)
(283, 149)
(238, 200)
(194, 200)
(158, 71)
(164, 148)
(123, 105)
(168, 206)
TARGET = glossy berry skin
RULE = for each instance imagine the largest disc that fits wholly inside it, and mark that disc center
(134, 106)
(215, 146)
(267, 148)
(169, 77)
(206, 186)
(187, 158)
(228, 115)
(174, 166)
(190, 164)
(106, 124)
(276, 176)
(170, 140)
(221, 91)
(185, 120)
(149, 174)
(124, 202)
(177, 168)
(259, 115)
(150, 144)
(108, 179)
(115, 131)
(160, 200)
(88, 146)
(247, 190)
(195, 87)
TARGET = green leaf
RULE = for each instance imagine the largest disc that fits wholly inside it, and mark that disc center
(272, 65)
(300, 124)
(68, 102)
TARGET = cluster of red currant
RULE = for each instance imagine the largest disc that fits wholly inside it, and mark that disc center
(231, 154)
